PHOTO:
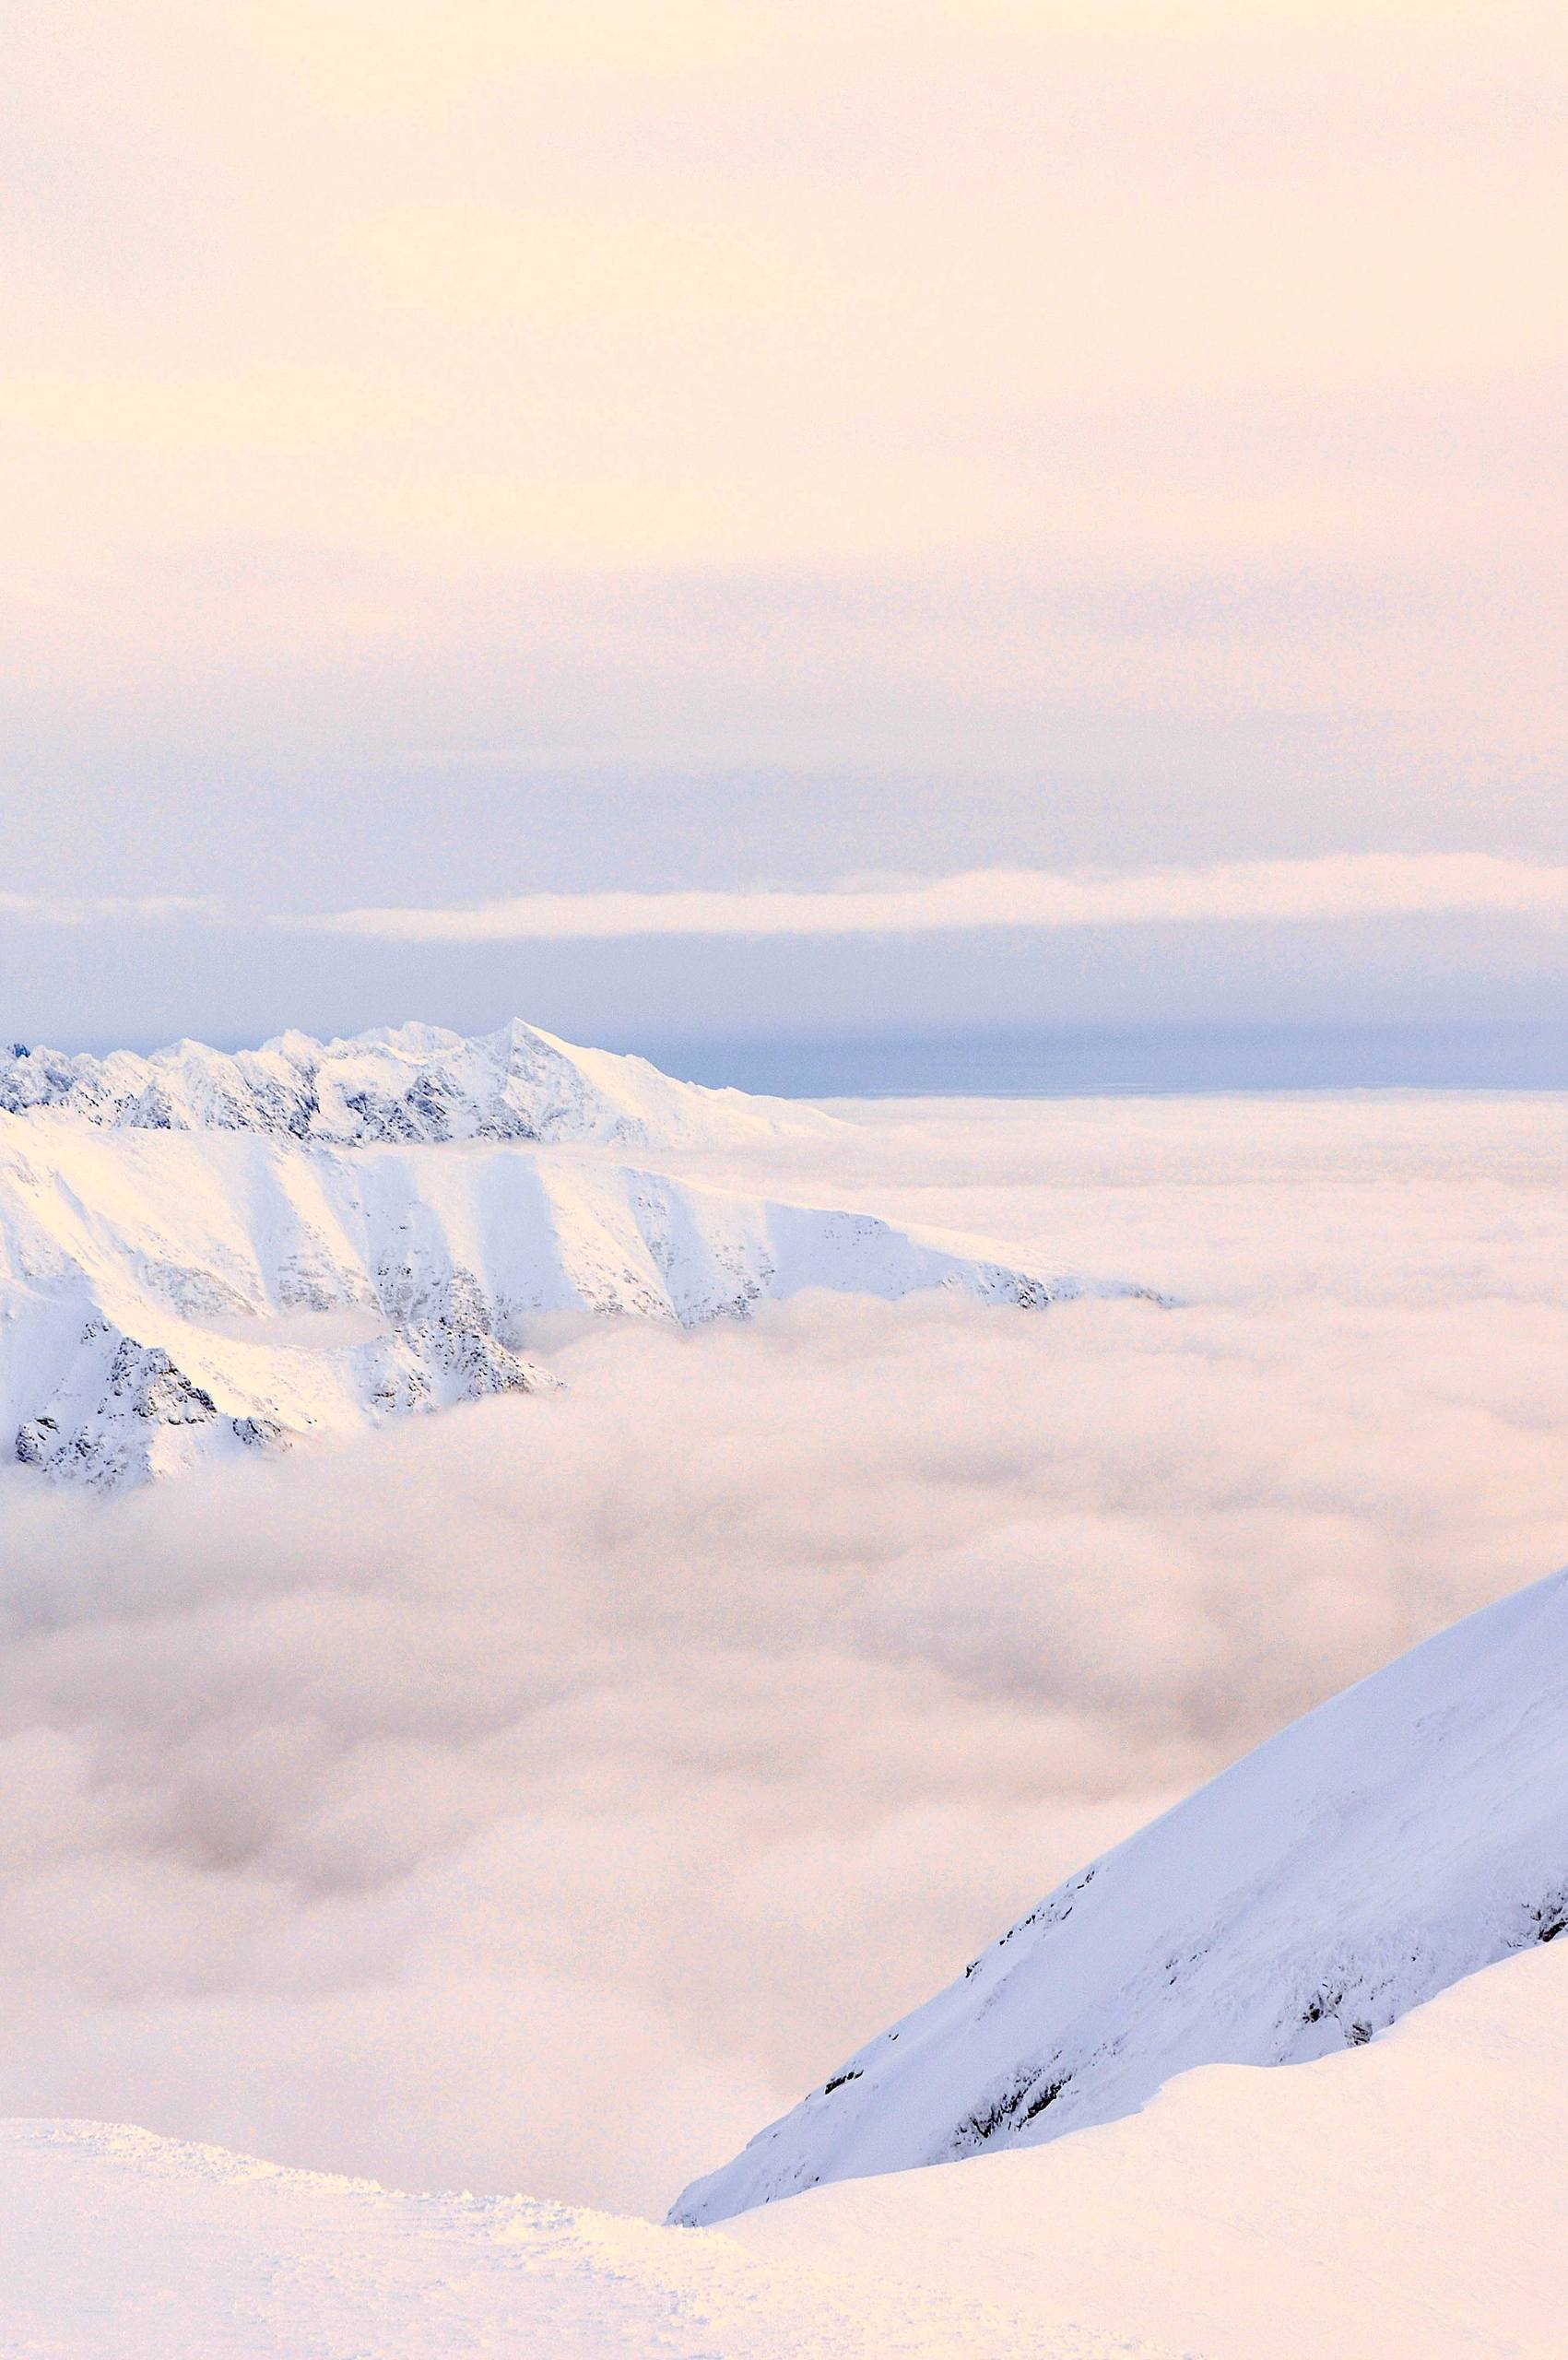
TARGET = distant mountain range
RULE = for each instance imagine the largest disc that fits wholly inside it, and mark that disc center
(204, 1252)
(416, 1084)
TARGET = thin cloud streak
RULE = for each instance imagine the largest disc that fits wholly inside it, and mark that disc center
(1321, 889)
(89, 909)
(1348, 885)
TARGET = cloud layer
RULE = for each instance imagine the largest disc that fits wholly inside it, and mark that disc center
(538, 1798)
(1351, 885)
(1336, 887)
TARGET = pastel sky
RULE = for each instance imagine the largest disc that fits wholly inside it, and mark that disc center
(511, 507)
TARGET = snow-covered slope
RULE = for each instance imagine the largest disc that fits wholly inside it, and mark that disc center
(118, 2245)
(1409, 2198)
(166, 1295)
(1404, 1834)
(1407, 2201)
(414, 1082)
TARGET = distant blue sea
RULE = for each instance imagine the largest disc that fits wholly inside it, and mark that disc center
(1152, 1061)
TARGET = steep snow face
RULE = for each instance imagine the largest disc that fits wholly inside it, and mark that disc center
(417, 1082)
(167, 1297)
(1404, 1834)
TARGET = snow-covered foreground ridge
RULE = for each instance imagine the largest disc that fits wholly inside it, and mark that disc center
(414, 1082)
(190, 1267)
(114, 2242)
(1407, 2198)
(1406, 1834)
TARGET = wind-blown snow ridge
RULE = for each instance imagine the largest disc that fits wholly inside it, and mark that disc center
(1410, 1831)
(414, 1082)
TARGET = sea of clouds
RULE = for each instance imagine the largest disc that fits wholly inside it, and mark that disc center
(542, 1796)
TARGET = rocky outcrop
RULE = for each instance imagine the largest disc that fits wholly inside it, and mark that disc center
(123, 1413)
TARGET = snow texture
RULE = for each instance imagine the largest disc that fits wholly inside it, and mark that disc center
(112, 2241)
(1407, 2196)
(202, 1253)
(1406, 2200)
(1410, 1831)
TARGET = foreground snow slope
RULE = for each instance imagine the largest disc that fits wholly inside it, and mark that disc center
(411, 1082)
(1408, 2198)
(118, 2245)
(1406, 1833)
(1405, 2200)
(164, 1296)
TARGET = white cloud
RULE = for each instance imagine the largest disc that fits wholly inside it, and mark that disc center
(1339, 885)
(1333, 886)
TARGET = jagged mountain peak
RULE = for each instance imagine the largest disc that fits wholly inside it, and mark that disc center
(411, 1082)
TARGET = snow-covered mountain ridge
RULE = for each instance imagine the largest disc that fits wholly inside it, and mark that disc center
(413, 1082)
(231, 1279)
(1406, 1834)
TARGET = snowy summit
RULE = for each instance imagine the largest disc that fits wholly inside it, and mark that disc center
(413, 1082)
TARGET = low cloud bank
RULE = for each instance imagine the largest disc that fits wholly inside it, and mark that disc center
(1321, 889)
(539, 1797)
(1337, 885)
